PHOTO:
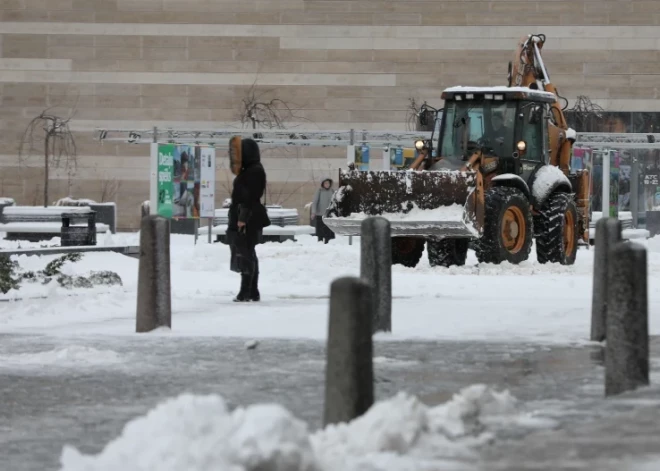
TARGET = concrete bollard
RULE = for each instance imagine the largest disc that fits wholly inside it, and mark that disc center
(349, 376)
(608, 233)
(145, 209)
(376, 268)
(627, 350)
(154, 299)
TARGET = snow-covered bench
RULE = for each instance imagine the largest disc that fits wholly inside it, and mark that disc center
(34, 223)
(284, 224)
(271, 233)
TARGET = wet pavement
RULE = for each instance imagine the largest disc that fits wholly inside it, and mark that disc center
(87, 403)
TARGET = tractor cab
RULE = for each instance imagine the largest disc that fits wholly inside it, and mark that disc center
(504, 123)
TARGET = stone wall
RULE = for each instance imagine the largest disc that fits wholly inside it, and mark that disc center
(339, 64)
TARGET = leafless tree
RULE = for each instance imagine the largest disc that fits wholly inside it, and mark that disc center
(412, 114)
(263, 109)
(109, 189)
(585, 114)
(49, 134)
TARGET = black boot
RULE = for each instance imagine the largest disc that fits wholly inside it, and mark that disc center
(244, 294)
(254, 288)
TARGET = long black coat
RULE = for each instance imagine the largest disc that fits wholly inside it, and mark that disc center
(249, 188)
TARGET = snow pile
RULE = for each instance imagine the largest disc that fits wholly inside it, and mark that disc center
(453, 212)
(545, 180)
(70, 201)
(74, 355)
(198, 433)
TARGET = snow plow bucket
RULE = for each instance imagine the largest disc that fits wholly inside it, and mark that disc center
(430, 204)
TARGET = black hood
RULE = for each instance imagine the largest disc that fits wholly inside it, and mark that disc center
(250, 154)
(326, 180)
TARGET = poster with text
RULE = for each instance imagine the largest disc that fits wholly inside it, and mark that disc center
(165, 164)
(362, 157)
(186, 182)
(207, 177)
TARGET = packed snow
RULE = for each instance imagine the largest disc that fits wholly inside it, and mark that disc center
(545, 179)
(474, 302)
(199, 433)
(452, 212)
(74, 355)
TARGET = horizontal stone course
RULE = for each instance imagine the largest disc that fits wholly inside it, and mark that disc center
(337, 63)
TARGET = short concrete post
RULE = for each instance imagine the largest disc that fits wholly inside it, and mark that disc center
(627, 350)
(144, 209)
(608, 233)
(349, 376)
(376, 268)
(154, 298)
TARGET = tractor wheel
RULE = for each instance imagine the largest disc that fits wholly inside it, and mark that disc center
(507, 235)
(407, 251)
(556, 228)
(447, 252)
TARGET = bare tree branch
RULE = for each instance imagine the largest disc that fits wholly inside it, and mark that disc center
(586, 114)
(49, 136)
(263, 109)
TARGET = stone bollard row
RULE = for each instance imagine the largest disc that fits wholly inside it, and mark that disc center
(619, 310)
(154, 297)
(359, 307)
(608, 233)
(349, 376)
(627, 331)
(376, 268)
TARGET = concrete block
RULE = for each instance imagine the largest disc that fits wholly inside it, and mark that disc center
(71, 52)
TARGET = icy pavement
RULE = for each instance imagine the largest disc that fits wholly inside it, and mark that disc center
(73, 372)
(91, 386)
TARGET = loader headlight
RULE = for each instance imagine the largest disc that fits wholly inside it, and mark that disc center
(521, 146)
(419, 145)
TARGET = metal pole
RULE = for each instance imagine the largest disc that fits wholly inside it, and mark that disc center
(196, 226)
(606, 183)
(634, 190)
(210, 230)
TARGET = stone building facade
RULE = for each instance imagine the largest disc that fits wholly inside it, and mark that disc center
(337, 63)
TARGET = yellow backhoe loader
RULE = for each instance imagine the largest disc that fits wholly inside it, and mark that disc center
(497, 175)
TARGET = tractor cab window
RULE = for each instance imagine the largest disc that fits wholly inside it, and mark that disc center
(531, 121)
(470, 125)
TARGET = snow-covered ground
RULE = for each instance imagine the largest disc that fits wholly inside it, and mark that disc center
(527, 302)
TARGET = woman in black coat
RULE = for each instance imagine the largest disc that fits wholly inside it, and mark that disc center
(247, 216)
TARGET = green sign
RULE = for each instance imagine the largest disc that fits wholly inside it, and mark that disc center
(165, 172)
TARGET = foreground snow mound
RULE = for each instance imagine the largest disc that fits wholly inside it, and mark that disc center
(406, 427)
(198, 433)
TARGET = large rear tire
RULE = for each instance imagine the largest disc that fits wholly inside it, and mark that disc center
(556, 229)
(407, 251)
(508, 234)
(447, 252)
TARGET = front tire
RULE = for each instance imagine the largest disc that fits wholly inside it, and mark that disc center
(447, 252)
(507, 235)
(407, 251)
(557, 234)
